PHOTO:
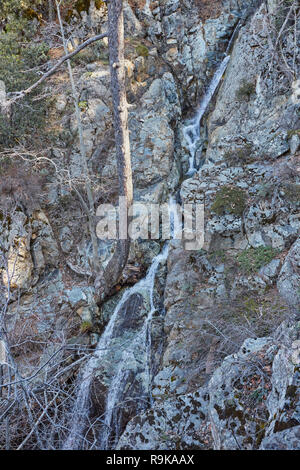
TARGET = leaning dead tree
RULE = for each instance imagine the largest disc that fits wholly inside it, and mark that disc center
(110, 277)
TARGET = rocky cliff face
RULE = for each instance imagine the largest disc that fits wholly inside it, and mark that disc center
(226, 332)
(250, 146)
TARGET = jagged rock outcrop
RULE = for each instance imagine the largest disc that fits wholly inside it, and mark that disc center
(289, 277)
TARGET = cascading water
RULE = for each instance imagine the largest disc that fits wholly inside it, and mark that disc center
(111, 429)
(141, 341)
(191, 132)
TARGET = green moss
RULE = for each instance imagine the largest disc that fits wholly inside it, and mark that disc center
(142, 50)
(229, 200)
(252, 259)
(82, 105)
(245, 91)
(86, 327)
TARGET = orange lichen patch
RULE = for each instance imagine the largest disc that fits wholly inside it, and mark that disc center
(208, 8)
(56, 52)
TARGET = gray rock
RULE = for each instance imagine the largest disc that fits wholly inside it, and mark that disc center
(289, 439)
(234, 426)
(170, 425)
(294, 143)
(270, 271)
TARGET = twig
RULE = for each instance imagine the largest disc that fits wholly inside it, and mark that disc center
(21, 94)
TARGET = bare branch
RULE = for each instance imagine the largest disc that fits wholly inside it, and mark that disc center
(21, 94)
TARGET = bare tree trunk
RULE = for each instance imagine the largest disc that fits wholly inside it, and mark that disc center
(116, 265)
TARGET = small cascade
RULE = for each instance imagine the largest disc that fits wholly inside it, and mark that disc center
(81, 407)
(191, 131)
(143, 339)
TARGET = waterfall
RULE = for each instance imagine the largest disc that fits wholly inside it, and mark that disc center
(143, 339)
(111, 425)
(191, 131)
(81, 407)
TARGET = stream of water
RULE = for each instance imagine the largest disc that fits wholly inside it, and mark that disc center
(142, 340)
(191, 131)
(111, 429)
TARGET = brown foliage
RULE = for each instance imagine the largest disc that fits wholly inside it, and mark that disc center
(208, 8)
(20, 186)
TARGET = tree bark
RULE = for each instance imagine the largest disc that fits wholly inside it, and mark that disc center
(116, 265)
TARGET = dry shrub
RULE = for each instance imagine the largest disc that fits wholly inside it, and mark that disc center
(20, 186)
(223, 331)
(208, 8)
(252, 315)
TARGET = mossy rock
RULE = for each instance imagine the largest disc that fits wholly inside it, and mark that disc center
(229, 200)
(142, 50)
(245, 91)
(252, 259)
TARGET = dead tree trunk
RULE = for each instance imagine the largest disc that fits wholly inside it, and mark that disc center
(116, 265)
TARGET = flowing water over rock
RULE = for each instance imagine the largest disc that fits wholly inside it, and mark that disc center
(141, 345)
(115, 392)
(192, 130)
(141, 341)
